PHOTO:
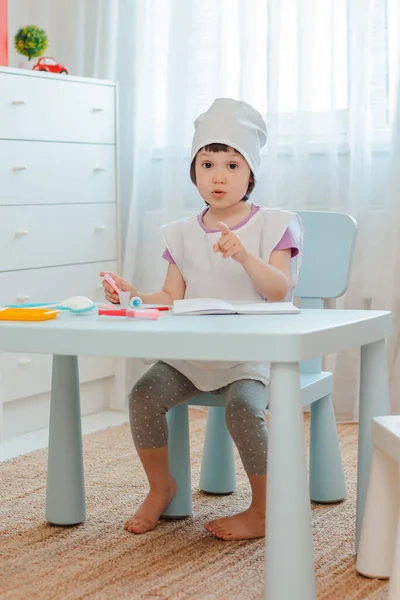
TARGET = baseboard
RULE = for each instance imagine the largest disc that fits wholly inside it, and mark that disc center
(29, 442)
(30, 414)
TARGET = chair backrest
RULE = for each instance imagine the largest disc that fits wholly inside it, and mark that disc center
(329, 241)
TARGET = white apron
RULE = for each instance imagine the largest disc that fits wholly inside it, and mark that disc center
(207, 275)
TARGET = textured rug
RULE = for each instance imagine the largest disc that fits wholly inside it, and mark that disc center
(179, 559)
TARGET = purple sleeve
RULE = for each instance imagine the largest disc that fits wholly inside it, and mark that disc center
(286, 242)
(167, 256)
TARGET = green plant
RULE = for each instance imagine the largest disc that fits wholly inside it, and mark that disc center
(30, 41)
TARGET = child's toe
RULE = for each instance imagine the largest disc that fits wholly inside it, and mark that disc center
(218, 529)
(129, 522)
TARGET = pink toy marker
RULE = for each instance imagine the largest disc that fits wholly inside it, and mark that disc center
(111, 282)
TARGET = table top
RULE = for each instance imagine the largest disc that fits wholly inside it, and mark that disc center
(275, 338)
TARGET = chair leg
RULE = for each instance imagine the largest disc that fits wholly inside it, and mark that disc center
(327, 483)
(179, 462)
(217, 474)
(378, 533)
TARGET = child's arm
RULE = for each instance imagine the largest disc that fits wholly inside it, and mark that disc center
(173, 289)
(270, 280)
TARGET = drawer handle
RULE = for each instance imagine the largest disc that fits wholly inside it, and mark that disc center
(22, 232)
(98, 169)
(22, 298)
(20, 168)
(24, 361)
(97, 109)
(18, 102)
(100, 227)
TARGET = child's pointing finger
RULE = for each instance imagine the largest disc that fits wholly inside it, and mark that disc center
(224, 228)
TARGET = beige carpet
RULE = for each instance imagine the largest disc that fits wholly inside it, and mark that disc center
(178, 560)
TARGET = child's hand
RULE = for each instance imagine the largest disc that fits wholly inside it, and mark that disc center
(229, 244)
(123, 285)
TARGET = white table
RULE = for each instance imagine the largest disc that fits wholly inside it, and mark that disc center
(284, 340)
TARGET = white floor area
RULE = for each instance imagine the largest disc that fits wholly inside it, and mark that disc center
(39, 439)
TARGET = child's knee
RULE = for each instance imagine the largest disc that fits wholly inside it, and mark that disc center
(240, 415)
(141, 394)
(136, 393)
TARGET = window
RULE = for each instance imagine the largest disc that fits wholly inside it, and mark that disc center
(278, 58)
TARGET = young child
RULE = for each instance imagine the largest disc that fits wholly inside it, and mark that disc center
(234, 251)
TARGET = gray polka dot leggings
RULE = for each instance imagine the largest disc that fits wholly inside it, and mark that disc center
(163, 387)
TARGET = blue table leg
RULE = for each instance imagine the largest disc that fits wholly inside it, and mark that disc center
(65, 493)
(374, 402)
(289, 562)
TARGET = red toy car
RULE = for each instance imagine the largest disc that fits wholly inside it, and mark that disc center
(46, 63)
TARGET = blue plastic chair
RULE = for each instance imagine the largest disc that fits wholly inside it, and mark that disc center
(329, 240)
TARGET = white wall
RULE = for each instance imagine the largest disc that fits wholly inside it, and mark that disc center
(69, 24)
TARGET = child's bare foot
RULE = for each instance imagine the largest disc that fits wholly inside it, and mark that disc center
(149, 512)
(243, 526)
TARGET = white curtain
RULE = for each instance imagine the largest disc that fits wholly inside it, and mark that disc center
(324, 73)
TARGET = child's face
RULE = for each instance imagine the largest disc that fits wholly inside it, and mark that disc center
(222, 178)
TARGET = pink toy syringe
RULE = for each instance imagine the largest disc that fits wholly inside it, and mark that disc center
(149, 313)
(112, 283)
(124, 296)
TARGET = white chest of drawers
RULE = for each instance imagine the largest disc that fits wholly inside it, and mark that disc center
(58, 221)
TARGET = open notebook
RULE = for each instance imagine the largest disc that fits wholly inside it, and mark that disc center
(213, 306)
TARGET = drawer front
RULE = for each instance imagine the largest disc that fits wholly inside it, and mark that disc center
(45, 236)
(24, 375)
(54, 284)
(37, 108)
(40, 173)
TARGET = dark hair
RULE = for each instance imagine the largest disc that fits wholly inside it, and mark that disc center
(221, 148)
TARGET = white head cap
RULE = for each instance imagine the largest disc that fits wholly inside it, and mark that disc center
(234, 123)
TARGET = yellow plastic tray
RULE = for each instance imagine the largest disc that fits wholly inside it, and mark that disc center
(27, 314)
